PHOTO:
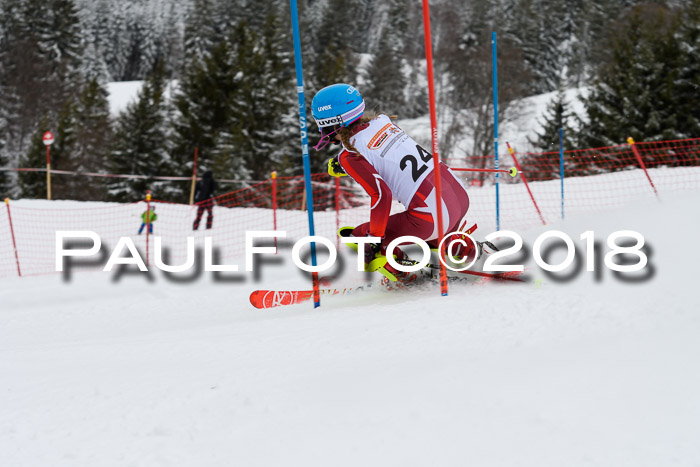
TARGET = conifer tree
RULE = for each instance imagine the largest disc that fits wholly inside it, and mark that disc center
(386, 81)
(112, 22)
(4, 161)
(83, 144)
(633, 92)
(266, 119)
(39, 61)
(688, 87)
(204, 110)
(141, 142)
(237, 106)
(332, 59)
(557, 116)
(5, 182)
(200, 31)
(62, 40)
(33, 184)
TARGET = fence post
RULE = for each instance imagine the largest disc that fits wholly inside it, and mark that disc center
(522, 176)
(273, 175)
(194, 176)
(48, 140)
(631, 142)
(148, 224)
(561, 167)
(337, 210)
(12, 232)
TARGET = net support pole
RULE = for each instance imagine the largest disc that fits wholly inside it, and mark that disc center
(494, 49)
(273, 176)
(148, 225)
(561, 167)
(434, 138)
(631, 142)
(527, 186)
(48, 172)
(12, 233)
(305, 145)
(194, 176)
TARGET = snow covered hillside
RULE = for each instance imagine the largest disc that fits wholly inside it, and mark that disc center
(575, 368)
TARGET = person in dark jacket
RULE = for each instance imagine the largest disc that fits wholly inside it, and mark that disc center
(203, 194)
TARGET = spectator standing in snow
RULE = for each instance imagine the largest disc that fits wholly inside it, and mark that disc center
(203, 194)
(148, 217)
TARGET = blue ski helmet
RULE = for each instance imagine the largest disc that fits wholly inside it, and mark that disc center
(337, 105)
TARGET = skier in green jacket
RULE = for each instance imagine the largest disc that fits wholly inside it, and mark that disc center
(145, 216)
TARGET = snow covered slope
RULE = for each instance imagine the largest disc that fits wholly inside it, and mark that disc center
(107, 370)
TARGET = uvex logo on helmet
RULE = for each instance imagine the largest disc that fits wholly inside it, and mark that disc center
(325, 107)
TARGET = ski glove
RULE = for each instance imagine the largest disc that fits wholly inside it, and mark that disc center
(335, 169)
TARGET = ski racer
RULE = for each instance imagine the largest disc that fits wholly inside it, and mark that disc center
(388, 164)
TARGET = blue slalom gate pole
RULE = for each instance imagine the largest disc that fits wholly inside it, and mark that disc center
(495, 125)
(305, 146)
(561, 167)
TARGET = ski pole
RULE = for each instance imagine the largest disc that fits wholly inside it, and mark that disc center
(512, 171)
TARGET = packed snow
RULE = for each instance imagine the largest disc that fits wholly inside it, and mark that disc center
(572, 368)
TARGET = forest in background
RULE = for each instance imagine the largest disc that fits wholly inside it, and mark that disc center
(236, 96)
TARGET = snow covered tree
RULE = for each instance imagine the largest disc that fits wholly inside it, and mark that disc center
(537, 29)
(547, 140)
(200, 31)
(386, 82)
(633, 94)
(238, 105)
(83, 144)
(4, 161)
(465, 94)
(40, 57)
(141, 141)
(267, 111)
(33, 184)
(61, 42)
(688, 86)
(557, 116)
(332, 61)
(203, 110)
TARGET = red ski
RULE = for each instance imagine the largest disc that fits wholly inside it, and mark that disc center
(262, 299)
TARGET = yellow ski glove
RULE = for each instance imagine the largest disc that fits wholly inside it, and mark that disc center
(334, 168)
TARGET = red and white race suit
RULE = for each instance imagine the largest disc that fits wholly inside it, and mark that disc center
(388, 163)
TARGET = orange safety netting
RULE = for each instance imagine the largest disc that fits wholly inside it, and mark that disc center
(596, 179)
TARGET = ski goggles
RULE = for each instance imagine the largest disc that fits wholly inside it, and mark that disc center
(329, 126)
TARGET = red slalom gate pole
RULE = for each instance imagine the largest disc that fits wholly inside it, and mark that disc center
(148, 223)
(434, 138)
(631, 142)
(12, 232)
(522, 175)
(273, 175)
